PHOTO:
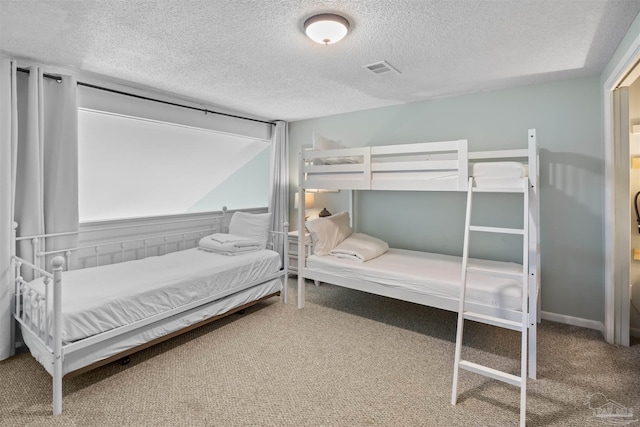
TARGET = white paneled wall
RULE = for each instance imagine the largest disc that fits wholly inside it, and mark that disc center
(144, 235)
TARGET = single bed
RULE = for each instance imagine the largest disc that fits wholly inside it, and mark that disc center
(77, 320)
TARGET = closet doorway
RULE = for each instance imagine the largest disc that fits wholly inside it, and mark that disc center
(622, 183)
(630, 157)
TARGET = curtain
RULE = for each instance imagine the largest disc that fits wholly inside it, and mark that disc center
(29, 212)
(38, 172)
(8, 150)
(47, 162)
(60, 175)
(279, 193)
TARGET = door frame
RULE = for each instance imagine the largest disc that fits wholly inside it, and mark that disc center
(613, 292)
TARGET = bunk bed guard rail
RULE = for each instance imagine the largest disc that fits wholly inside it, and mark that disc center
(385, 167)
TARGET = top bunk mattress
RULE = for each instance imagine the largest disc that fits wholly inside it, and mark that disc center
(429, 274)
(98, 299)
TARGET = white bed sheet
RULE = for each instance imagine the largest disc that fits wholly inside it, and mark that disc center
(95, 300)
(116, 345)
(429, 274)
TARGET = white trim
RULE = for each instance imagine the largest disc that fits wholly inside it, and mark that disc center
(573, 321)
(610, 82)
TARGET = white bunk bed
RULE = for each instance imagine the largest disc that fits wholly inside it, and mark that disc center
(433, 279)
(77, 320)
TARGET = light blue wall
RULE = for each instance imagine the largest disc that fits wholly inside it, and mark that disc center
(248, 187)
(567, 117)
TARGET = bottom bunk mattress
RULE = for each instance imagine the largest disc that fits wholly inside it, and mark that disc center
(429, 274)
(99, 299)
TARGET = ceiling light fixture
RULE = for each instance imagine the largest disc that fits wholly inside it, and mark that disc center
(326, 28)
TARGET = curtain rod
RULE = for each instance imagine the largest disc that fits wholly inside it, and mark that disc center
(204, 110)
(45, 75)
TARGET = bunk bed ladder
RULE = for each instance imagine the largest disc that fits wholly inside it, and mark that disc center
(521, 326)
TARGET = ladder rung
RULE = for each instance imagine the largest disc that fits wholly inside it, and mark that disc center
(491, 320)
(497, 230)
(491, 373)
(496, 273)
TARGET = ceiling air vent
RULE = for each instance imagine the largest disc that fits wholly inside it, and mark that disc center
(381, 68)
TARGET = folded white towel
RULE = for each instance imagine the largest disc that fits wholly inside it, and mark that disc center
(236, 241)
(360, 247)
(228, 244)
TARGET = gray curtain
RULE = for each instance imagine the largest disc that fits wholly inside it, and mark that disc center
(8, 151)
(279, 194)
(47, 163)
(38, 172)
(61, 213)
(29, 210)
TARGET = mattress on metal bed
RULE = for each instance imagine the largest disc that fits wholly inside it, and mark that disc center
(113, 346)
(429, 274)
(98, 299)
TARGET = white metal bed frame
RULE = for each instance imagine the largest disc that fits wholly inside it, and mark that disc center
(50, 342)
(451, 156)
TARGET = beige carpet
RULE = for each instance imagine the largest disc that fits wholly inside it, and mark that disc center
(347, 359)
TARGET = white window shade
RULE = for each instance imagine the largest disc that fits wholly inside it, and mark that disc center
(131, 167)
(102, 100)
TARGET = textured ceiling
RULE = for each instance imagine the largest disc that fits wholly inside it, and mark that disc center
(252, 55)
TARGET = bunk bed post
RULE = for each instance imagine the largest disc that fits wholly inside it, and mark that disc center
(527, 352)
(534, 250)
(352, 206)
(57, 263)
(301, 227)
(463, 165)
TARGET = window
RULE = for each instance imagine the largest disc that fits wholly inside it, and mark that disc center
(136, 167)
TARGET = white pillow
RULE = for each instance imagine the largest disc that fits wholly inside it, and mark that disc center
(322, 143)
(328, 232)
(251, 226)
(360, 247)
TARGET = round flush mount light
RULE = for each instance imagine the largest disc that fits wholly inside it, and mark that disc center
(326, 28)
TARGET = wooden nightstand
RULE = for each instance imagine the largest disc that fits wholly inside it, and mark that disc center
(293, 250)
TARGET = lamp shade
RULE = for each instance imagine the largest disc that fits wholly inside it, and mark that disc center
(326, 28)
(308, 200)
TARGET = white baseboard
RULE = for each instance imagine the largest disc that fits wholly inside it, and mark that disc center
(574, 321)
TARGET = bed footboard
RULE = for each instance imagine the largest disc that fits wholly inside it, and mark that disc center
(40, 315)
